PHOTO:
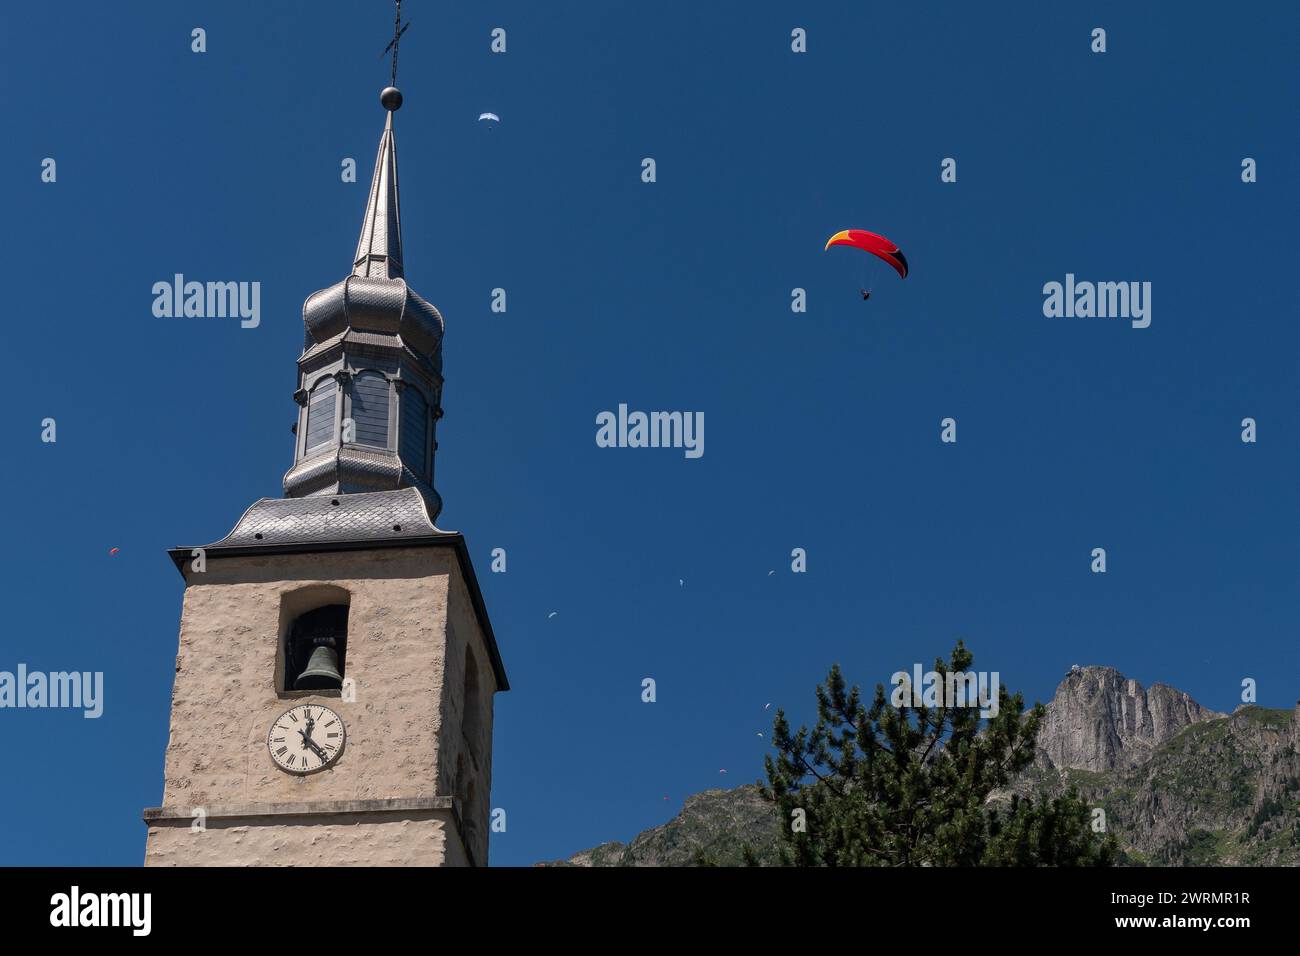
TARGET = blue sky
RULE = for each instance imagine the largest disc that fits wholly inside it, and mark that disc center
(822, 428)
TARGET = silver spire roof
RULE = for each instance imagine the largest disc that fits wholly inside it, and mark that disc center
(370, 375)
(379, 251)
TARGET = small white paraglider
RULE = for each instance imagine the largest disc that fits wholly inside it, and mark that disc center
(489, 116)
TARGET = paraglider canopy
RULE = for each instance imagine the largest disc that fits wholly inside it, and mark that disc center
(878, 246)
(489, 116)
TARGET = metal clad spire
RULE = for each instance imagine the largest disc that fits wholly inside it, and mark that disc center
(370, 374)
(379, 250)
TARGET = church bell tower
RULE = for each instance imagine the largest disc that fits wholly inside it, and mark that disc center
(332, 704)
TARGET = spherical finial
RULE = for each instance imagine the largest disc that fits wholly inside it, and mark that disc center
(391, 98)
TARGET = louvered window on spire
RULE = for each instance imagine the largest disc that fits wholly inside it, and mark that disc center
(370, 409)
(320, 414)
(415, 432)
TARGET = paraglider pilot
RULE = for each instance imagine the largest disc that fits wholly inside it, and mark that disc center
(876, 245)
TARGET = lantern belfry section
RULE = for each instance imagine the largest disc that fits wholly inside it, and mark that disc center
(343, 595)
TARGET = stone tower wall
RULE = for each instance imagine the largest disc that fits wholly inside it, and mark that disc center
(404, 730)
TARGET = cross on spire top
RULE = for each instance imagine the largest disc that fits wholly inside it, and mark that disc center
(398, 30)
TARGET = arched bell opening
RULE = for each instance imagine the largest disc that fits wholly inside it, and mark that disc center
(313, 641)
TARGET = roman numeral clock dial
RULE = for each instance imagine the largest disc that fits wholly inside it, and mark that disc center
(306, 738)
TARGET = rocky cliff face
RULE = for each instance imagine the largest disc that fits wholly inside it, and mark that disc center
(1180, 784)
(1102, 720)
(1225, 792)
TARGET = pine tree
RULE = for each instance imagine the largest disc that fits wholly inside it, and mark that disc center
(886, 785)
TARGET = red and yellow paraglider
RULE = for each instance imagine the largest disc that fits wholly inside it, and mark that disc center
(878, 246)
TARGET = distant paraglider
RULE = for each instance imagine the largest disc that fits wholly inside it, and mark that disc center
(489, 116)
(876, 245)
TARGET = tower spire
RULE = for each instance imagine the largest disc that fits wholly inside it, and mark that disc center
(379, 250)
(370, 375)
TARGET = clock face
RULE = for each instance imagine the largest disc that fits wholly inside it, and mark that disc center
(306, 738)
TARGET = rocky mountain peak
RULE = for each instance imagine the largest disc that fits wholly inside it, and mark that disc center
(1102, 720)
(1223, 793)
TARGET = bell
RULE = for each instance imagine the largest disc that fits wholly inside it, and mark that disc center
(321, 672)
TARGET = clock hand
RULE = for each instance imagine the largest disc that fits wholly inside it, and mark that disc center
(308, 743)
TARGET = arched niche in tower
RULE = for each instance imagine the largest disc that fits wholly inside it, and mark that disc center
(471, 757)
(472, 721)
(311, 645)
